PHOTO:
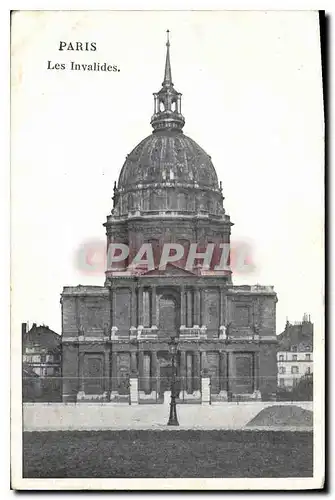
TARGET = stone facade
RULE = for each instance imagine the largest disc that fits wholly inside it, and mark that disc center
(168, 192)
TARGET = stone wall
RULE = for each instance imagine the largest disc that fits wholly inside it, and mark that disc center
(99, 416)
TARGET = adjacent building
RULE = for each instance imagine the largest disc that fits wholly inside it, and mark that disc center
(168, 192)
(295, 353)
(41, 362)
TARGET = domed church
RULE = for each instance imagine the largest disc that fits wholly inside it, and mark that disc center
(119, 336)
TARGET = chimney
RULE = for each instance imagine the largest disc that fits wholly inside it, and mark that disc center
(23, 329)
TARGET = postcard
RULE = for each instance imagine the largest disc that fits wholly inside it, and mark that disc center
(167, 250)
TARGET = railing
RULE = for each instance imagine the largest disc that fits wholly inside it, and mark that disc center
(151, 390)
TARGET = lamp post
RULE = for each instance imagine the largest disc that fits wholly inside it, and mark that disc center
(173, 420)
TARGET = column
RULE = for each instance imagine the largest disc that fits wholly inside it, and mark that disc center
(223, 374)
(205, 381)
(201, 307)
(182, 306)
(256, 371)
(133, 363)
(153, 306)
(107, 370)
(197, 306)
(133, 307)
(222, 307)
(154, 370)
(227, 311)
(189, 307)
(196, 370)
(81, 372)
(182, 370)
(146, 372)
(140, 369)
(203, 362)
(228, 386)
(133, 391)
(113, 318)
(114, 381)
(189, 373)
(140, 306)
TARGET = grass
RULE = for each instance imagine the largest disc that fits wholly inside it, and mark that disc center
(169, 454)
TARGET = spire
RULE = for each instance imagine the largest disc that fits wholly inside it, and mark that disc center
(167, 73)
(167, 113)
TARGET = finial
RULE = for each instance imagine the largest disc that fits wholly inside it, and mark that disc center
(167, 73)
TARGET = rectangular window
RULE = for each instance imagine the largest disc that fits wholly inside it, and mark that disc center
(308, 370)
(282, 369)
(281, 358)
(294, 357)
(281, 382)
(308, 357)
(294, 369)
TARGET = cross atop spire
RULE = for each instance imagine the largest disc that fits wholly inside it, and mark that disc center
(167, 73)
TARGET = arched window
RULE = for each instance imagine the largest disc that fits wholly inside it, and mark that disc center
(161, 106)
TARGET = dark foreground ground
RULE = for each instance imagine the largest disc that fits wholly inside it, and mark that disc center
(170, 454)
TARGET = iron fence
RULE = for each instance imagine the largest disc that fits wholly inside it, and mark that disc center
(264, 388)
(150, 390)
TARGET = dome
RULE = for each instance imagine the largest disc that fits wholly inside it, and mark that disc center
(168, 157)
(167, 172)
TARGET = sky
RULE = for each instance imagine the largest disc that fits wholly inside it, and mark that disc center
(252, 99)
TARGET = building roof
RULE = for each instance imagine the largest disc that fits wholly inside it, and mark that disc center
(168, 156)
(42, 335)
(296, 336)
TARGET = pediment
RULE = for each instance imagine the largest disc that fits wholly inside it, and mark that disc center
(170, 270)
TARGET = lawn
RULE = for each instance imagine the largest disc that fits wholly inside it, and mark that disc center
(170, 454)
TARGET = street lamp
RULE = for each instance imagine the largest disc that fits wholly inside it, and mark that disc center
(173, 420)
